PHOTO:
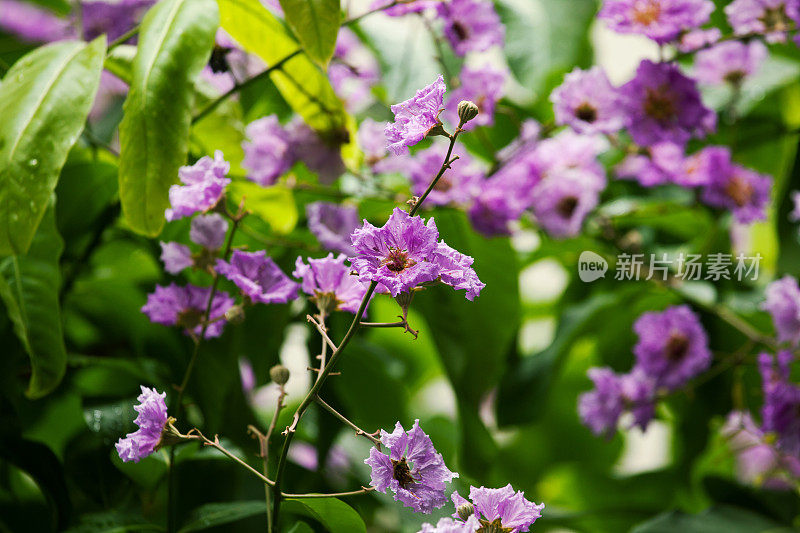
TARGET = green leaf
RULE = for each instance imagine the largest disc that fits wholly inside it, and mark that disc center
(216, 514)
(301, 83)
(29, 288)
(275, 205)
(721, 519)
(175, 43)
(316, 24)
(44, 101)
(335, 515)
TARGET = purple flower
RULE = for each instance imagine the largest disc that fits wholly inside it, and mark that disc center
(482, 86)
(736, 188)
(455, 269)
(780, 413)
(112, 18)
(569, 151)
(258, 277)
(664, 105)
(613, 395)
(399, 254)
(415, 118)
(729, 62)
(501, 508)
(471, 25)
(33, 24)
(448, 525)
(656, 165)
(185, 307)
(756, 461)
(247, 376)
(209, 231)
(672, 346)
(660, 20)
(456, 186)
(561, 201)
(494, 209)
(783, 303)
(403, 7)
(175, 257)
(413, 470)
(697, 168)
(332, 224)
(353, 71)
(794, 216)
(697, 39)
(329, 283)
(321, 156)
(771, 18)
(372, 141)
(203, 185)
(587, 102)
(151, 420)
(268, 152)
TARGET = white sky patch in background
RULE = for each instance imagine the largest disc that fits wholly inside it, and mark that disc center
(435, 398)
(644, 451)
(619, 54)
(542, 281)
(536, 334)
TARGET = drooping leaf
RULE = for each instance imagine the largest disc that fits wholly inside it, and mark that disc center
(29, 286)
(216, 514)
(175, 43)
(301, 83)
(335, 515)
(316, 24)
(44, 101)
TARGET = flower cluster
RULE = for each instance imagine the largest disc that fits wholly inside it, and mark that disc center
(672, 349)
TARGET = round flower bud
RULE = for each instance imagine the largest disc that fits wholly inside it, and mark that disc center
(465, 510)
(279, 374)
(235, 314)
(467, 111)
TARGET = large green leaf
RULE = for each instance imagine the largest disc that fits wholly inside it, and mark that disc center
(316, 24)
(29, 288)
(44, 101)
(301, 83)
(175, 43)
(335, 515)
(216, 514)
(721, 519)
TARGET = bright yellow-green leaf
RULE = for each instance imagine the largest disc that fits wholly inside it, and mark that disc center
(316, 24)
(275, 205)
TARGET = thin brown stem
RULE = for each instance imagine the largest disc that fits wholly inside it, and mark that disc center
(363, 490)
(195, 434)
(399, 324)
(326, 339)
(360, 432)
(445, 165)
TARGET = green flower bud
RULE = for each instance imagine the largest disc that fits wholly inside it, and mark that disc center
(279, 374)
(465, 510)
(467, 111)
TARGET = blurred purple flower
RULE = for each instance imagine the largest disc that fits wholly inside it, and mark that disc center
(415, 118)
(209, 231)
(660, 20)
(203, 185)
(742, 191)
(247, 376)
(185, 307)
(456, 186)
(175, 257)
(696, 39)
(321, 156)
(783, 304)
(501, 509)
(794, 216)
(112, 18)
(664, 105)
(601, 408)
(33, 24)
(587, 102)
(353, 71)
(771, 18)
(268, 151)
(152, 419)
(372, 141)
(471, 25)
(780, 413)
(332, 224)
(570, 151)
(413, 470)
(672, 346)
(258, 277)
(329, 283)
(448, 525)
(482, 86)
(561, 201)
(729, 62)
(404, 7)
(656, 165)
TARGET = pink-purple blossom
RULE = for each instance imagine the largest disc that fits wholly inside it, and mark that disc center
(614, 394)
(455, 269)
(322, 156)
(33, 24)
(783, 304)
(660, 20)
(482, 86)
(587, 102)
(471, 25)
(771, 18)
(729, 62)
(209, 231)
(780, 413)
(502, 509)
(672, 346)
(203, 186)
(185, 307)
(332, 224)
(413, 470)
(353, 71)
(151, 419)
(696, 39)
(456, 186)
(258, 277)
(740, 190)
(329, 283)
(268, 151)
(175, 256)
(450, 525)
(562, 201)
(415, 118)
(664, 105)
